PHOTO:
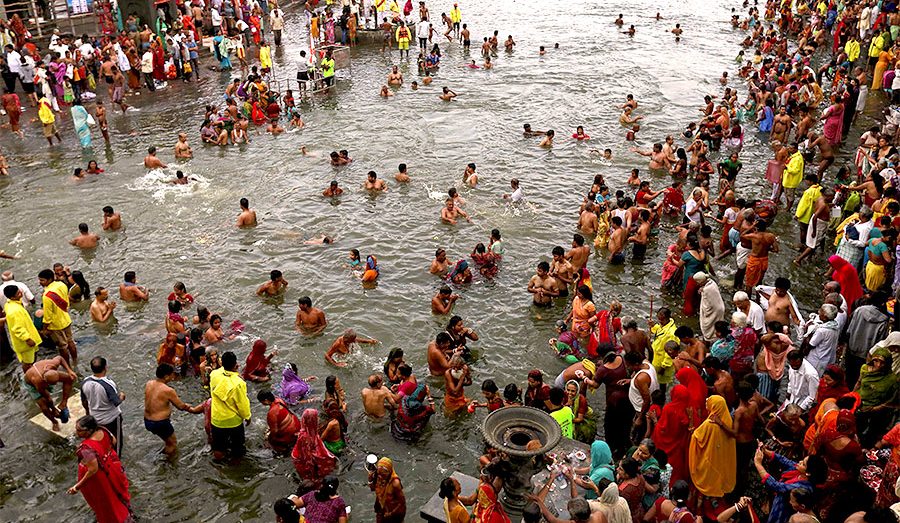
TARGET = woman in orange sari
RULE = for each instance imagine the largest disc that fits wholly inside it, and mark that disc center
(583, 315)
(456, 378)
(825, 419)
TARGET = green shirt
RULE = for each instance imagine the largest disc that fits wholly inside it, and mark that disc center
(328, 67)
(565, 418)
(732, 168)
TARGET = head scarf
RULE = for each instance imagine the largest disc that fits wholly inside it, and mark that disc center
(832, 391)
(382, 488)
(689, 377)
(601, 462)
(877, 387)
(846, 275)
(256, 360)
(584, 278)
(459, 268)
(825, 418)
(293, 388)
(711, 445)
(312, 459)
(371, 263)
(671, 432)
(614, 507)
(844, 425)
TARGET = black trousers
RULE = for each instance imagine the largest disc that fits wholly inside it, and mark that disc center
(115, 428)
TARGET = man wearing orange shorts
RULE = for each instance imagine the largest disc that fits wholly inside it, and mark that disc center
(762, 243)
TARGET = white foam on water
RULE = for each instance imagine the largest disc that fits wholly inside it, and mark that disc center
(158, 182)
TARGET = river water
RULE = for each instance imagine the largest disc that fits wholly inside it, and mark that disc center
(187, 233)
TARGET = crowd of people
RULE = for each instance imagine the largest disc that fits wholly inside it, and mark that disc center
(754, 410)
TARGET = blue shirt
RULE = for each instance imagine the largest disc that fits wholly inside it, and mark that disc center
(781, 505)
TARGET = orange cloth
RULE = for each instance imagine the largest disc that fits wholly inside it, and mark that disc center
(712, 457)
(756, 268)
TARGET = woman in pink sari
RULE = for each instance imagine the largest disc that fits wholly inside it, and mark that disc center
(101, 478)
(834, 121)
(311, 459)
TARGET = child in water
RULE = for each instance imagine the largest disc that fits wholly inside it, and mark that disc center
(579, 134)
(354, 262)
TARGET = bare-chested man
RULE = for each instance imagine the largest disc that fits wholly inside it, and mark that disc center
(658, 159)
(781, 127)
(440, 264)
(118, 95)
(438, 354)
(182, 149)
(543, 286)
(159, 398)
(377, 398)
(343, 344)
(826, 153)
(395, 77)
(102, 122)
(744, 425)
(247, 217)
(101, 307)
(373, 183)
(129, 290)
(310, 320)
(85, 238)
(761, 244)
(275, 286)
(618, 238)
(634, 339)
(112, 220)
(579, 253)
(781, 308)
(151, 161)
(39, 381)
(451, 212)
(443, 301)
(806, 123)
(641, 238)
(588, 222)
(562, 271)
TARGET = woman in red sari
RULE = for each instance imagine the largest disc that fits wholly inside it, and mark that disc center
(846, 275)
(256, 368)
(672, 434)
(840, 447)
(697, 391)
(311, 459)
(487, 505)
(101, 478)
(159, 61)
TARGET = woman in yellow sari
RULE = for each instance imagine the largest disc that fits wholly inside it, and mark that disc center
(713, 443)
(454, 510)
(885, 58)
(390, 501)
(583, 315)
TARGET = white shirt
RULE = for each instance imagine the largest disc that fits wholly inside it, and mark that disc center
(803, 385)
(422, 29)
(634, 395)
(756, 318)
(14, 61)
(27, 296)
(276, 18)
(689, 207)
(241, 26)
(823, 347)
(147, 62)
(517, 195)
(87, 50)
(216, 17)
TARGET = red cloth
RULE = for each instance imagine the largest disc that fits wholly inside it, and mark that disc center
(697, 391)
(58, 300)
(846, 275)
(106, 491)
(312, 459)
(159, 64)
(839, 389)
(257, 363)
(671, 434)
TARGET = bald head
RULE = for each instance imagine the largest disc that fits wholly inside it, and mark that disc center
(7, 276)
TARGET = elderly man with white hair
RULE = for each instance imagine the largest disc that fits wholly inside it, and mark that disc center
(8, 279)
(712, 308)
(756, 318)
(821, 335)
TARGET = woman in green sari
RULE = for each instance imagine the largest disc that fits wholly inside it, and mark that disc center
(877, 388)
(585, 423)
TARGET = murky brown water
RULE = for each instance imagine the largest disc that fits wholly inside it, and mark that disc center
(186, 233)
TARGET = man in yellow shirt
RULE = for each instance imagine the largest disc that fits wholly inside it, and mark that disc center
(456, 18)
(403, 36)
(793, 175)
(22, 332)
(875, 49)
(663, 332)
(807, 205)
(230, 407)
(57, 322)
(852, 49)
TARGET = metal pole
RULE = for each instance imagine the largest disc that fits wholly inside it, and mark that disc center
(37, 22)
